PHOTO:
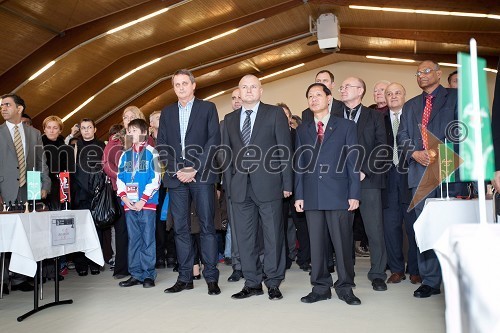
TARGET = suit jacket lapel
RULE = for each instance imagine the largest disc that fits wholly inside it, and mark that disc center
(439, 102)
(176, 121)
(259, 121)
(4, 132)
(363, 118)
(192, 115)
(330, 127)
(311, 129)
(28, 138)
(419, 112)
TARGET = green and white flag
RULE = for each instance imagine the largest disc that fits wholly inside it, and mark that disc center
(466, 114)
(34, 185)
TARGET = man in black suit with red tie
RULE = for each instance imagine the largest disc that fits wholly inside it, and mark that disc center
(327, 188)
(258, 175)
(188, 138)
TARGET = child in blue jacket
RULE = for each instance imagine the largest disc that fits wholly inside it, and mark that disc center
(138, 182)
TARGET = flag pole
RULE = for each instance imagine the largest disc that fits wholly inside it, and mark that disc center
(446, 170)
(478, 163)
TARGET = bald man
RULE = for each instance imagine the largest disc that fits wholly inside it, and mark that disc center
(256, 185)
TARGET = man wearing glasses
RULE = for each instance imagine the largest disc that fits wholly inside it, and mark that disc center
(371, 139)
(430, 111)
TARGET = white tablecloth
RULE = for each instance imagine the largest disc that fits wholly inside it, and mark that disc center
(28, 237)
(468, 255)
(438, 215)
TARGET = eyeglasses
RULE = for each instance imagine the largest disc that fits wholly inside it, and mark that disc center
(5, 104)
(347, 86)
(425, 71)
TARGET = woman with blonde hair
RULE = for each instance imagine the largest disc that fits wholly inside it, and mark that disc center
(112, 152)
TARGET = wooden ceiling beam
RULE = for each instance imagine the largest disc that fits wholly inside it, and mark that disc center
(123, 65)
(491, 61)
(71, 38)
(487, 39)
(478, 6)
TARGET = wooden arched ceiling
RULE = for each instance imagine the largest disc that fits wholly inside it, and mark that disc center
(272, 35)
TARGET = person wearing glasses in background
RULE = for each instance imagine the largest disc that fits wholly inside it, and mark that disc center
(432, 111)
(371, 139)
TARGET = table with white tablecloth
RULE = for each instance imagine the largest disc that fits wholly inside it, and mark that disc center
(32, 237)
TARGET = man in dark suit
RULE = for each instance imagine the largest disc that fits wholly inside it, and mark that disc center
(258, 176)
(328, 79)
(20, 151)
(434, 110)
(187, 138)
(327, 188)
(371, 139)
(397, 196)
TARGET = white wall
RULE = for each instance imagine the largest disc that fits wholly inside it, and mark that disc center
(291, 90)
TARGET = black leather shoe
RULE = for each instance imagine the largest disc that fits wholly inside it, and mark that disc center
(83, 273)
(349, 298)
(23, 286)
(5, 289)
(160, 263)
(171, 262)
(313, 297)
(176, 268)
(425, 291)
(119, 276)
(306, 267)
(228, 261)
(179, 286)
(236, 276)
(213, 288)
(95, 271)
(148, 283)
(130, 282)
(247, 292)
(379, 285)
(274, 293)
(331, 269)
(197, 277)
(288, 263)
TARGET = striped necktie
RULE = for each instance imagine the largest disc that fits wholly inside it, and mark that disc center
(395, 127)
(246, 130)
(18, 144)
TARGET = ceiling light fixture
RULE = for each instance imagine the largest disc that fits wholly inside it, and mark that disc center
(41, 70)
(390, 59)
(78, 108)
(135, 70)
(447, 64)
(210, 39)
(282, 71)
(214, 95)
(134, 22)
(490, 70)
(427, 12)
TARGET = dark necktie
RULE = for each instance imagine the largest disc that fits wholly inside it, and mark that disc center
(246, 130)
(321, 132)
(351, 113)
(425, 120)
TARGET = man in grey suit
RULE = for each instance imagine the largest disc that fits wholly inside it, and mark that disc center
(258, 176)
(21, 150)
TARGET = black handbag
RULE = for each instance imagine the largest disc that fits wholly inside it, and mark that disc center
(105, 208)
